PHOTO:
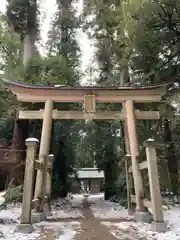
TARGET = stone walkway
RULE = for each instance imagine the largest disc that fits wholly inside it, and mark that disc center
(92, 229)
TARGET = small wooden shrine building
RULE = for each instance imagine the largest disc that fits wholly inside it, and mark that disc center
(89, 180)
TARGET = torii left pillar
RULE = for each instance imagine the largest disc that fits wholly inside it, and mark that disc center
(141, 212)
(44, 151)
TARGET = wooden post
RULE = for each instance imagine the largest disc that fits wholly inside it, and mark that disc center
(126, 136)
(31, 144)
(44, 146)
(156, 199)
(49, 175)
(127, 159)
(43, 188)
(131, 126)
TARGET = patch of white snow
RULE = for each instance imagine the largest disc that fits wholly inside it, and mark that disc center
(66, 208)
(172, 219)
(105, 210)
(11, 214)
(8, 232)
(2, 199)
(9, 218)
(63, 231)
(95, 197)
(68, 234)
(2, 193)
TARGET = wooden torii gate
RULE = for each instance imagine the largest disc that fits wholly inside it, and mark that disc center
(88, 96)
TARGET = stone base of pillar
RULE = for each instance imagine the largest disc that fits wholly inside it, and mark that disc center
(130, 211)
(24, 228)
(47, 210)
(145, 217)
(158, 226)
(38, 217)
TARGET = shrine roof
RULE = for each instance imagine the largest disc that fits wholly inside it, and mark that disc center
(89, 173)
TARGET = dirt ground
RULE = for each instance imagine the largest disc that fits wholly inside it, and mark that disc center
(92, 229)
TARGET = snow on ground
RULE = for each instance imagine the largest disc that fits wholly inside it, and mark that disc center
(109, 210)
(122, 229)
(56, 230)
(105, 209)
(11, 214)
(93, 198)
(62, 231)
(172, 219)
(67, 208)
(8, 232)
(2, 199)
(10, 217)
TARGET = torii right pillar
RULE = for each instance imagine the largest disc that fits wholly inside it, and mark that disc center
(141, 212)
(40, 188)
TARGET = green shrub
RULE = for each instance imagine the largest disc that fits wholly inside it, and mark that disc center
(14, 194)
(116, 191)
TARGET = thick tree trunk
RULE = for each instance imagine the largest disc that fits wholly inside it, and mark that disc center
(60, 171)
(110, 179)
(171, 158)
(124, 77)
(18, 149)
(28, 49)
(108, 182)
(110, 171)
(20, 132)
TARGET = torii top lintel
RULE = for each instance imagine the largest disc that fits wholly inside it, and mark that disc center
(58, 93)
